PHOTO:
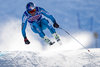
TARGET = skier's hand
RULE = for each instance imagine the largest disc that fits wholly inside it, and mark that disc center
(26, 40)
(56, 25)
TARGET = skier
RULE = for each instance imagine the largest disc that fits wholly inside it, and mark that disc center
(34, 15)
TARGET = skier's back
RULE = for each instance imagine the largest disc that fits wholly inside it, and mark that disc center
(33, 15)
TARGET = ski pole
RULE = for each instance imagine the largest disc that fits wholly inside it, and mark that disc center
(74, 38)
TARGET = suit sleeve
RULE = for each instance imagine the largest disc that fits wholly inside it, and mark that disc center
(24, 24)
(45, 13)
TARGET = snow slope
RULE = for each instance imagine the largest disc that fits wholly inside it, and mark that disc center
(76, 58)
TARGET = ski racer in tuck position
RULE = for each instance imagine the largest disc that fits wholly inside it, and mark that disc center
(33, 15)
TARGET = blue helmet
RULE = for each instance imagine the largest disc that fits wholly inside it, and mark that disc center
(30, 6)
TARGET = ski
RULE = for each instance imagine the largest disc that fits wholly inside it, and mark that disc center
(59, 42)
(51, 43)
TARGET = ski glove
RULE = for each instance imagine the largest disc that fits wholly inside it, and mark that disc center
(55, 25)
(26, 40)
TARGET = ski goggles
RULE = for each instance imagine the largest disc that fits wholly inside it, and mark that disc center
(32, 11)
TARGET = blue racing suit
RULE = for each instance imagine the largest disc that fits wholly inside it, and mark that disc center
(37, 22)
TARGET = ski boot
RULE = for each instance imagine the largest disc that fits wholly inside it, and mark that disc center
(47, 40)
(56, 36)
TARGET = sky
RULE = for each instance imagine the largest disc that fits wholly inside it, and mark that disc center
(67, 14)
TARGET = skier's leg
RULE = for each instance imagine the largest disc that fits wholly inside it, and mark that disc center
(52, 30)
(48, 25)
(37, 29)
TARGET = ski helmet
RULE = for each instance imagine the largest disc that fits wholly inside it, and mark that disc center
(30, 6)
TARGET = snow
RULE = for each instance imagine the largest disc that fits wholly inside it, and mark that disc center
(14, 53)
(76, 58)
